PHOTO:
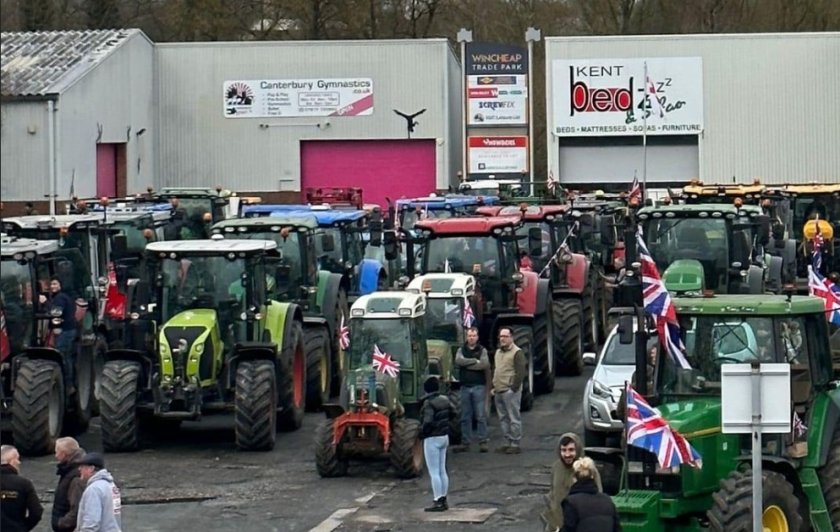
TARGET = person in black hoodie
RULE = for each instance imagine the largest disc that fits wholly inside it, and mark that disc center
(585, 509)
(70, 487)
(436, 414)
(20, 509)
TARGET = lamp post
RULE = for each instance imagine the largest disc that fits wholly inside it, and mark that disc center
(532, 35)
(464, 36)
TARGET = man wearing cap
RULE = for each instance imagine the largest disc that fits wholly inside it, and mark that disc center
(100, 508)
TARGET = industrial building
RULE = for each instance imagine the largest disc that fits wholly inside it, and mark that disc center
(721, 107)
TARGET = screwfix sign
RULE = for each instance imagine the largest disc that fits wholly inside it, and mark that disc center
(612, 97)
(497, 100)
(498, 155)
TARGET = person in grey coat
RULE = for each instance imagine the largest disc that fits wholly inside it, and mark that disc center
(100, 508)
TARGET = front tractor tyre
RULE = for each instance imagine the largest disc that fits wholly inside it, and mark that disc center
(292, 375)
(406, 448)
(255, 413)
(830, 478)
(523, 337)
(732, 504)
(38, 407)
(118, 406)
(328, 460)
(318, 366)
(83, 401)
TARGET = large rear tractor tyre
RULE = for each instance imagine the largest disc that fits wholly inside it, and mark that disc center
(292, 374)
(318, 366)
(328, 460)
(77, 420)
(732, 504)
(255, 413)
(455, 435)
(38, 407)
(568, 341)
(523, 337)
(544, 352)
(118, 406)
(830, 478)
(406, 448)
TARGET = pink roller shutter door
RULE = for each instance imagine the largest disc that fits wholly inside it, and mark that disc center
(106, 170)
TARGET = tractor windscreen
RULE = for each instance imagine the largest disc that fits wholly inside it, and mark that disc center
(410, 216)
(333, 260)
(290, 268)
(196, 208)
(703, 239)
(806, 208)
(390, 336)
(133, 232)
(444, 319)
(197, 282)
(477, 255)
(712, 341)
(16, 293)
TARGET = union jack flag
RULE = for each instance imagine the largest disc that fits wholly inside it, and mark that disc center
(799, 428)
(383, 363)
(822, 287)
(635, 188)
(469, 317)
(658, 304)
(816, 254)
(551, 183)
(648, 430)
(343, 335)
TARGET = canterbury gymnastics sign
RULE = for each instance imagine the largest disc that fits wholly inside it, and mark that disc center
(281, 98)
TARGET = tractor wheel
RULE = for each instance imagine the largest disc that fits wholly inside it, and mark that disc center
(455, 435)
(255, 411)
(568, 342)
(38, 407)
(523, 337)
(830, 478)
(342, 308)
(406, 448)
(292, 390)
(318, 366)
(118, 406)
(732, 504)
(77, 421)
(328, 459)
(544, 352)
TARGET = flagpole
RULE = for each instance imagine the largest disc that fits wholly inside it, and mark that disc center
(644, 136)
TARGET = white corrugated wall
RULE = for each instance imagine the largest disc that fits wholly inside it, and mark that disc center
(771, 101)
(25, 151)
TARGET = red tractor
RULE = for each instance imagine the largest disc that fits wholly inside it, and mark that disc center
(506, 294)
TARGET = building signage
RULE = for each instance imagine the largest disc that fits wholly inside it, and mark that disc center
(498, 155)
(298, 97)
(497, 100)
(609, 97)
(490, 58)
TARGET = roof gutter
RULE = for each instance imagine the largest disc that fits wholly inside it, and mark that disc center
(29, 97)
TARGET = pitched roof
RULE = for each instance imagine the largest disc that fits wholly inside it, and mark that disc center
(38, 63)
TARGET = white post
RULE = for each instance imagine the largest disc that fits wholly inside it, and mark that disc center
(464, 36)
(51, 149)
(532, 35)
(644, 136)
(757, 496)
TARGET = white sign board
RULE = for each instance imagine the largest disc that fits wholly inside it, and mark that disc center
(736, 398)
(497, 100)
(503, 155)
(606, 97)
(282, 98)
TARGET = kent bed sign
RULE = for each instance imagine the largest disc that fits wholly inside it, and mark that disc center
(610, 97)
(281, 98)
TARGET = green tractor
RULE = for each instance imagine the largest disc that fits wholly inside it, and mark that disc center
(379, 410)
(214, 342)
(800, 469)
(320, 294)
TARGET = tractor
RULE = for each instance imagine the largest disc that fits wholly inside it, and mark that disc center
(320, 294)
(379, 409)
(35, 403)
(487, 248)
(800, 470)
(214, 342)
(409, 211)
(697, 192)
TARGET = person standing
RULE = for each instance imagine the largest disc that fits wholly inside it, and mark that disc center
(20, 509)
(473, 372)
(70, 486)
(569, 449)
(67, 332)
(436, 413)
(586, 509)
(100, 508)
(508, 378)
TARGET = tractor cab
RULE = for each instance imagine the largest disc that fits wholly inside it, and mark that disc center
(197, 205)
(487, 187)
(697, 192)
(410, 211)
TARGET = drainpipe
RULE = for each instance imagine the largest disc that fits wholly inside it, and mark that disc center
(51, 141)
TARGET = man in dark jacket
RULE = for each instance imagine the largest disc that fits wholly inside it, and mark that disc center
(585, 509)
(436, 414)
(61, 300)
(70, 487)
(474, 376)
(20, 509)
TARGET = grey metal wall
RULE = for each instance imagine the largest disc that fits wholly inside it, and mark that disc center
(456, 127)
(198, 146)
(771, 106)
(25, 151)
(111, 104)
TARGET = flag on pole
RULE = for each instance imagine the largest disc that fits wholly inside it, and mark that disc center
(343, 335)
(383, 363)
(823, 288)
(648, 430)
(658, 304)
(816, 253)
(469, 316)
(650, 88)
(635, 188)
(799, 428)
(551, 183)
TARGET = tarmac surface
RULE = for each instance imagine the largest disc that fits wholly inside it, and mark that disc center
(197, 481)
